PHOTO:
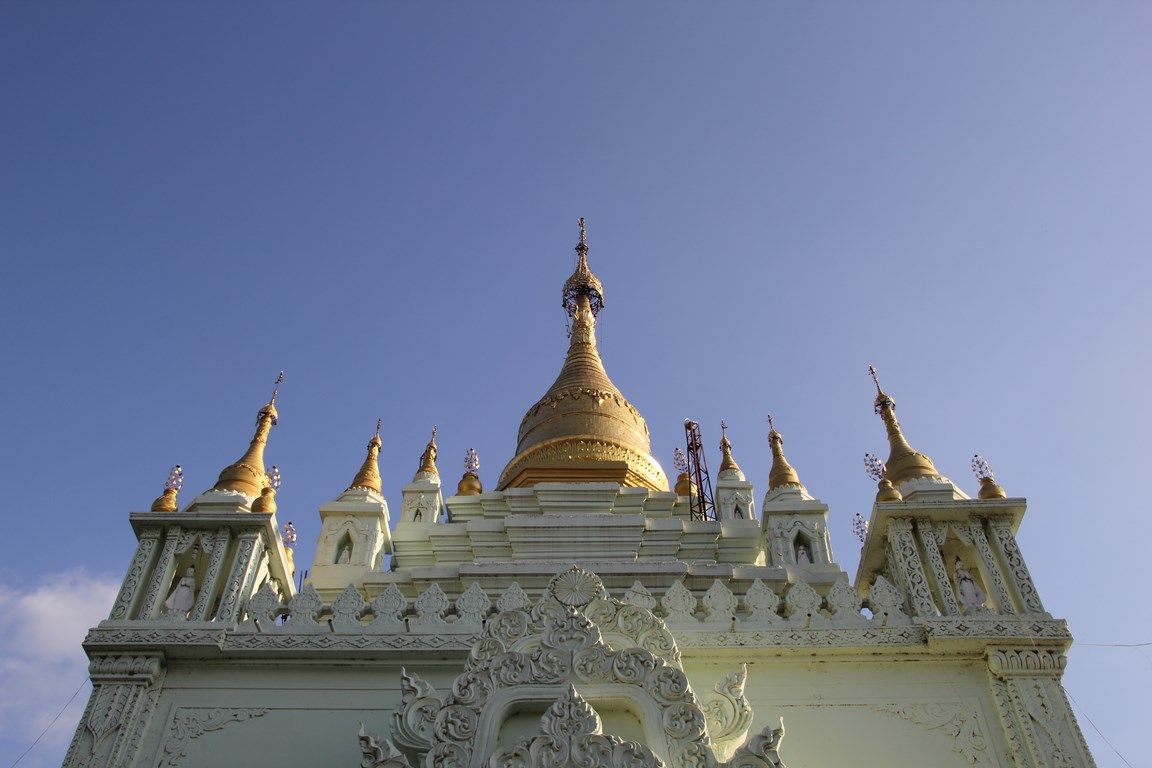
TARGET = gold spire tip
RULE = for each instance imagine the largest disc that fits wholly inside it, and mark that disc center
(428, 458)
(583, 233)
(276, 387)
(369, 474)
(882, 397)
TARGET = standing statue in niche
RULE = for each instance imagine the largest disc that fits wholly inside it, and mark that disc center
(971, 597)
(345, 555)
(802, 555)
(183, 595)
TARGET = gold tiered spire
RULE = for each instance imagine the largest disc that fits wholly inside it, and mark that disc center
(428, 458)
(904, 462)
(782, 474)
(726, 460)
(583, 429)
(246, 475)
(369, 475)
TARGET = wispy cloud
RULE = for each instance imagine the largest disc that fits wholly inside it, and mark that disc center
(41, 661)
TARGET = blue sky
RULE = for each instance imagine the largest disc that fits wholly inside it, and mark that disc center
(381, 200)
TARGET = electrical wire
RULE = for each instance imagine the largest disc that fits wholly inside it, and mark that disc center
(1101, 735)
(69, 702)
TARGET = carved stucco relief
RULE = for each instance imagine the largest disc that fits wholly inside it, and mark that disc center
(959, 723)
(546, 655)
(149, 539)
(124, 694)
(190, 723)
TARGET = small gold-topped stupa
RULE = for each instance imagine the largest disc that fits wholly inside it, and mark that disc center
(428, 470)
(369, 475)
(782, 473)
(583, 429)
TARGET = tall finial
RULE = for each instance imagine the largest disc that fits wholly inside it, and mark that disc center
(875, 380)
(369, 475)
(246, 475)
(428, 458)
(989, 488)
(782, 474)
(276, 387)
(583, 291)
(470, 484)
(167, 502)
(904, 462)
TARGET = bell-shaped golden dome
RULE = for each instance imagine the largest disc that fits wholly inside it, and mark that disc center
(583, 429)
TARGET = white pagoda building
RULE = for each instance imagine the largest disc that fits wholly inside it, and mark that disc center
(580, 614)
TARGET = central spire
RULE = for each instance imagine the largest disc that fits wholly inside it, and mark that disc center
(583, 429)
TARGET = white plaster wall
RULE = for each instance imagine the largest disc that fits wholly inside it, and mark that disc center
(837, 712)
(314, 711)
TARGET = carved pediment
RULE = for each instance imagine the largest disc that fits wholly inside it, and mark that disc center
(556, 654)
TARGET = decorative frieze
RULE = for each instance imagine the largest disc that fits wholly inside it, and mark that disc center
(991, 566)
(931, 537)
(958, 722)
(1017, 569)
(190, 723)
(161, 574)
(119, 707)
(208, 587)
(911, 570)
(243, 564)
(130, 587)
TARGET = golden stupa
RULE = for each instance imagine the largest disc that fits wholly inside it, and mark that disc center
(583, 429)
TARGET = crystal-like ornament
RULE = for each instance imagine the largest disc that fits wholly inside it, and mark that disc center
(680, 461)
(874, 467)
(288, 535)
(175, 479)
(981, 469)
(471, 461)
(274, 478)
(860, 527)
